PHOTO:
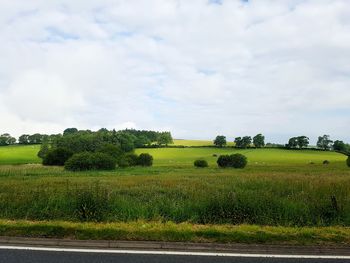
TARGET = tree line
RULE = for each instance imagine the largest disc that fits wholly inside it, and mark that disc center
(299, 142)
(131, 137)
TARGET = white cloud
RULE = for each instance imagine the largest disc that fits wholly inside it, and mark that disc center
(277, 67)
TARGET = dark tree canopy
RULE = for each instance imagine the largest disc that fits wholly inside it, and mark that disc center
(339, 146)
(220, 141)
(324, 142)
(243, 142)
(7, 139)
(70, 131)
(145, 159)
(300, 141)
(164, 138)
(259, 140)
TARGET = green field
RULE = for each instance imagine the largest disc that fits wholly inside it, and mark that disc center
(277, 188)
(19, 154)
(184, 157)
(196, 143)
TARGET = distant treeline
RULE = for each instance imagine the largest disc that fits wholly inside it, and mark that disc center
(128, 138)
(299, 142)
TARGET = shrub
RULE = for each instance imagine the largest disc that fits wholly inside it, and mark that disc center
(145, 159)
(131, 158)
(57, 156)
(90, 161)
(325, 162)
(234, 160)
(348, 161)
(44, 150)
(224, 161)
(200, 163)
(238, 160)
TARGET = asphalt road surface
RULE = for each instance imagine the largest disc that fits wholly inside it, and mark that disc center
(10, 255)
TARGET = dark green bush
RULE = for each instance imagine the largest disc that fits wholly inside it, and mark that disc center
(145, 159)
(325, 162)
(200, 163)
(238, 160)
(348, 161)
(234, 160)
(57, 156)
(224, 161)
(90, 161)
(131, 159)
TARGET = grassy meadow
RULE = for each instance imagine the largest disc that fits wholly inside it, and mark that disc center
(279, 188)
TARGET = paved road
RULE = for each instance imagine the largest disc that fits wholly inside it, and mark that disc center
(33, 256)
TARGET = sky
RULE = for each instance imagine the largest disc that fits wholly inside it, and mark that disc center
(197, 68)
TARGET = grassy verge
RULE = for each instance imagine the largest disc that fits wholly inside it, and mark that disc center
(304, 195)
(185, 232)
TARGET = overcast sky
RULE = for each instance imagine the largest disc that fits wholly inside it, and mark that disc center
(195, 67)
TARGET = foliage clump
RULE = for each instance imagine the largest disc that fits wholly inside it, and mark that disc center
(145, 159)
(234, 160)
(57, 156)
(220, 141)
(201, 163)
(348, 161)
(90, 161)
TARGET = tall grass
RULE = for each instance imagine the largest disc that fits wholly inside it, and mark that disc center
(309, 195)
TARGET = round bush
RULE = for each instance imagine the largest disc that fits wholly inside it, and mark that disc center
(131, 158)
(224, 161)
(234, 160)
(201, 163)
(145, 159)
(325, 162)
(90, 161)
(238, 160)
(57, 156)
(348, 161)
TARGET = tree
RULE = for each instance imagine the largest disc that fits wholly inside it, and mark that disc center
(23, 139)
(244, 142)
(164, 138)
(292, 143)
(141, 141)
(259, 140)
(44, 149)
(7, 139)
(145, 159)
(35, 138)
(302, 141)
(220, 141)
(339, 146)
(324, 142)
(70, 131)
